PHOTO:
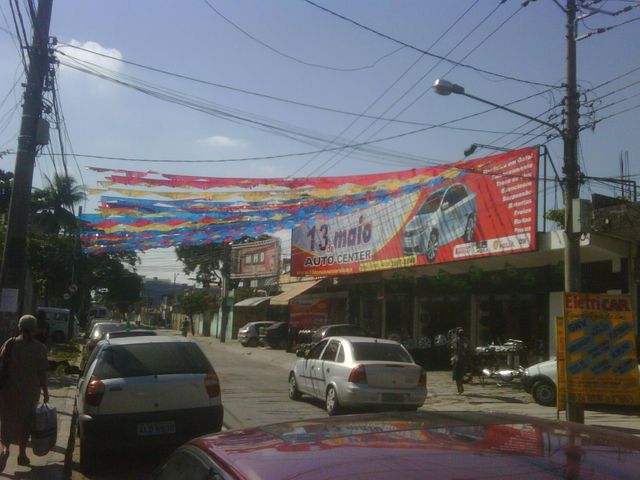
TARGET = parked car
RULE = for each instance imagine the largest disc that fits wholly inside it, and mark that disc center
(446, 214)
(540, 380)
(249, 334)
(98, 333)
(95, 321)
(338, 330)
(58, 320)
(425, 444)
(276, 335)
(358, 372)
(145, 392)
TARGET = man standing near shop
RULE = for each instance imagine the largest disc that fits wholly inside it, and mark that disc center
(459, 358)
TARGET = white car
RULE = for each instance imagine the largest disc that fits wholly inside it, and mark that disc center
(357, 372)
(445, 215)
(540, 380)
(145, 392)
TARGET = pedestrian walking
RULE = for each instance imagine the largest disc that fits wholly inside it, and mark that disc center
(460, 353)
(20, 391)
(184, 327)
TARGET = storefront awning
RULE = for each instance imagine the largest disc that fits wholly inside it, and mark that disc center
(251, 302)
(291, 290)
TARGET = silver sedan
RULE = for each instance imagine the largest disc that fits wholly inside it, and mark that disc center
(357, 372)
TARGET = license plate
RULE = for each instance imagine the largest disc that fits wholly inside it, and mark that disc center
(156, 428)
(392, 397)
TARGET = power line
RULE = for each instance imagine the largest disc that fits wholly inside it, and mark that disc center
(425, 52)
(381, 95)
(291, 57)
(438, 63)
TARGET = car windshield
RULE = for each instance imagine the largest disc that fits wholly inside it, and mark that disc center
(139, 360)
(432, 203)
(386, 352)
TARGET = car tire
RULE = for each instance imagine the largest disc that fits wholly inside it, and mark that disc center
(253, 342)
(470, 228)
(544, 393)
(294, 393)
(332, 404)
(432, 246)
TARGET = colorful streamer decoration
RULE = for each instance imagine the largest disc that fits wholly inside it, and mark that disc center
(195, 210)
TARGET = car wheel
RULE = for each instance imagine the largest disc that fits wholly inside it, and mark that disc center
(432, 246)
(294, 393)
(331, 402)
(544, 393)
(253, 342)
(469, 228)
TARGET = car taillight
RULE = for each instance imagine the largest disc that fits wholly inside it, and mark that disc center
(95, 391)
(212, 384)
(423, 379)
(358, 375)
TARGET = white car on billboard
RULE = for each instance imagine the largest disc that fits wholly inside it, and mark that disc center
(445, 215)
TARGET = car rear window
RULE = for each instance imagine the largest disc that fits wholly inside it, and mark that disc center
(386, 352)
(139, 360)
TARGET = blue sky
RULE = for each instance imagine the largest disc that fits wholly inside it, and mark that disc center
(330, 63)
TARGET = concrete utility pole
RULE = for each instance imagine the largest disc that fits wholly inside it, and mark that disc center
(571, 169)
(12, 276)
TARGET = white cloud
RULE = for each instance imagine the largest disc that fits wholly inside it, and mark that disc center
(222, 141)
(76, 56)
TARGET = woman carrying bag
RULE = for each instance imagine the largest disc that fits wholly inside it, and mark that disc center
(26, 375)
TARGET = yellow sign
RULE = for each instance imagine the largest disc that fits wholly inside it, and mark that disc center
(601, 363)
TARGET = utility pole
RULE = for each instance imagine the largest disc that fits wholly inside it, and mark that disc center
(13, 273)
(571, 169)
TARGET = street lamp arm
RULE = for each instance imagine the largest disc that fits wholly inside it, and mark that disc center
(515, 112)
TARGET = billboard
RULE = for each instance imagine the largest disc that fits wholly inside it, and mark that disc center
(255, 259)
(471, 209)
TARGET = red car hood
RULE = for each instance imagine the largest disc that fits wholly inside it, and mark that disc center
(439, 445)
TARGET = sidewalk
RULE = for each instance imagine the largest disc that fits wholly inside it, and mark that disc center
(62, 391)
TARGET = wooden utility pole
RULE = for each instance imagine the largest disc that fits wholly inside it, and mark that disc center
(13, 273)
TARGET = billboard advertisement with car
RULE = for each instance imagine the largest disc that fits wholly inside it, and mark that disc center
(470, 209)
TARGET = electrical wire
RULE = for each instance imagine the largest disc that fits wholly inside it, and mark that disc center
(291, 57)
(426, 52)
(433, 68)
(614, 79)
(388, 89)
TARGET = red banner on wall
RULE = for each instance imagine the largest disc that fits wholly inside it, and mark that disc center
(477, 208)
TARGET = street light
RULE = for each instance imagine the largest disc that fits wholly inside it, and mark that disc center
(571, 168)
(474, 146)
(444, 87)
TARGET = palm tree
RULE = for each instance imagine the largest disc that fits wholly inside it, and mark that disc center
(55, 203)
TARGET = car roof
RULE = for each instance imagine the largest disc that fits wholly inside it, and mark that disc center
(441, 445)
(355, 339)
(150, 339)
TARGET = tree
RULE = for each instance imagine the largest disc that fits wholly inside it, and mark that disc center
(53, 205)
(556, 215)
(206, 261)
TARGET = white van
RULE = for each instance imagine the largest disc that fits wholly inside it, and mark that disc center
(98, 312)
(58, 319)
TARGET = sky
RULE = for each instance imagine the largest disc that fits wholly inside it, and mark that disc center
(277, 78)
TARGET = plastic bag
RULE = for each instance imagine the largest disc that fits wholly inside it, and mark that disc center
(45, 429)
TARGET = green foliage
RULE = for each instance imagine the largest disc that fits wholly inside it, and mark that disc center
(556, 215)
(206, 261)
(197, 301)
